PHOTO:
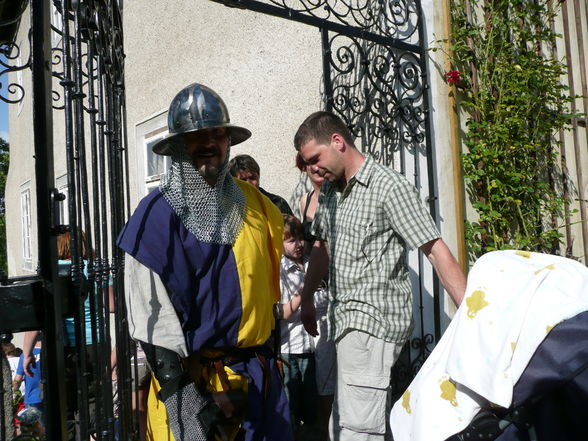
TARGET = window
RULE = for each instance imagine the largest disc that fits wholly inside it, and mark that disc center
(56, 22)
(61, 185)
(155, 165)
(25, 212)
(149, 132)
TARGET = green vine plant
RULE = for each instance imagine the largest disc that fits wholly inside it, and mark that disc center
(509, 84)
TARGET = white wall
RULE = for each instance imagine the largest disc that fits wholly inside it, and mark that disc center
(266, 69)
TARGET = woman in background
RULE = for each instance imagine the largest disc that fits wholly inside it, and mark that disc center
(308, 203)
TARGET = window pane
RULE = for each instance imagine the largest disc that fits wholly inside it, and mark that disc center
(155, 163)
(26, 225)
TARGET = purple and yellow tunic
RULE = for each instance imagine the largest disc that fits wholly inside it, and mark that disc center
(223, 295)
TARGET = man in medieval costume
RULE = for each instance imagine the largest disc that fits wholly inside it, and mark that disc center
(202, 276)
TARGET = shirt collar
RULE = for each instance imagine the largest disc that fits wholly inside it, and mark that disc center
(289, 265)
(362, 175)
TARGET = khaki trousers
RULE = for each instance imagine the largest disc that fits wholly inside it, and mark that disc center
(364, 363)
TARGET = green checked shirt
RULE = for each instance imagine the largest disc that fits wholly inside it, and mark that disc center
(368, 227)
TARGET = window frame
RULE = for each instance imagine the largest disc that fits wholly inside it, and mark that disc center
(150, 129)
(26, 227)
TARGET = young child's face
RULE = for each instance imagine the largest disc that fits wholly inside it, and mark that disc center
(293, 248)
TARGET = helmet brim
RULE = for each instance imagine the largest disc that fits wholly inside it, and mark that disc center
(165, 146)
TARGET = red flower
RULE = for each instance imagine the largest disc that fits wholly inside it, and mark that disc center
(453, 76)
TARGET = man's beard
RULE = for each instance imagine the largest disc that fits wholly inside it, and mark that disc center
(209, 172)
(213, 172)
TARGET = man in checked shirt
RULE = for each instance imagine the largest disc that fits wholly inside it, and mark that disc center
(368, 216)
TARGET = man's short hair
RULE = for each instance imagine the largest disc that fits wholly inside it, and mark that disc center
(242, 163)
(292, 227)
(320, 126)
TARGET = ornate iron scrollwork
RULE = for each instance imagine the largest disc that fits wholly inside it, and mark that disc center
(13, 92)
(378, 90)
(398, 19)
(412, 357)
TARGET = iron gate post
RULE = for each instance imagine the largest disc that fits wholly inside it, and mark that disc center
(48, 270)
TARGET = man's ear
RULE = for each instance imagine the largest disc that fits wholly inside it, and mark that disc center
(338, 141)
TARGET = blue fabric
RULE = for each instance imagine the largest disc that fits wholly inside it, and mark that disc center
(563, 351)
(32, 384)
(559, 412)
(69, 323)
(267, 419)
(201, 278)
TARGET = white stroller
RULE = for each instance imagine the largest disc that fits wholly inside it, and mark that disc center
(512, 366)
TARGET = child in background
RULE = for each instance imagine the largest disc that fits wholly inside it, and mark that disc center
(33, 388)
(296, 344)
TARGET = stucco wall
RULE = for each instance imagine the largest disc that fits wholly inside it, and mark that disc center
(267, 70)
(22, 165)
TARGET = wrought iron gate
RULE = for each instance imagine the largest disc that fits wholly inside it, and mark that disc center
(73, 50)
(375, 79)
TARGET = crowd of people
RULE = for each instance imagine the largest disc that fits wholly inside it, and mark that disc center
(258, 325)
(213, 260)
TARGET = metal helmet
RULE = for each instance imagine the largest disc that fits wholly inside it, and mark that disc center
(197, 107)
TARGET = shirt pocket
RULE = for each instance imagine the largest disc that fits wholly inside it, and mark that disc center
(373, 241)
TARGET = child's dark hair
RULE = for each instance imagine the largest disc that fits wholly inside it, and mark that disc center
(292, 227)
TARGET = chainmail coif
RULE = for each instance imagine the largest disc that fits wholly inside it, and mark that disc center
(212, 214)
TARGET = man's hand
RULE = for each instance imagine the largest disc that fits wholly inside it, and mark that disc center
(28, 364)
(317, 269)
(308, 316)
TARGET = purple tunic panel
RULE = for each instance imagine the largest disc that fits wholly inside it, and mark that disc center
(201, 278)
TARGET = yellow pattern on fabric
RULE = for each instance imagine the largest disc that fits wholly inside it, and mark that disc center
(525, 254)
(258, 267)
(475, 302)
(406, 401)
(448, 391)
(548, 267)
